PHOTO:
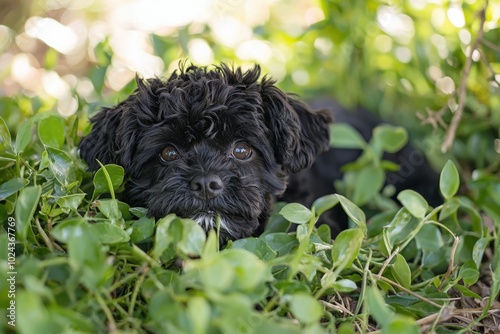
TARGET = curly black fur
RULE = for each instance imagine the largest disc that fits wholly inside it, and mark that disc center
(202, 113)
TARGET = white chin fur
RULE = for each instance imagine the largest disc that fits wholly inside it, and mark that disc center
(208, 222)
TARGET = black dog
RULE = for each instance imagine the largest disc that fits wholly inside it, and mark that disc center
(208, 142)
(222, 142)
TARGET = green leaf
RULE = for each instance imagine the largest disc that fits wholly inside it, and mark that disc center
(186, 238)
(211, 245)
(479, 249)
(324, 203)
(413, 202)
(61, 166)
(401, 324)
(71, 318)
(255, 246)
(469, 273)
(377, 307)
(302, 233)
(346, 328)
(309, 265)
(109, 234)
(401, 271)
(216, 273)
(142, 229)
(324, 233)
(163, 307)
(110, 209)
(193, 237)
(65, 230)
(344, 285)
(429, 238)
(51, 59)
(29, 304)
(380, 221)
(138, 212)
(88, 256)
(162, 238)
(97, 76)
(393, 231)
(329, 279)
(495, 286)
(85, 251)
(51, 131)
(305, 308)
(70, 203)
(23, 136)
(277, 223)
(353, 211)
(449, 181)
(343, 135)
(11, 187)
(449, 207)
(199, 313)
(368, 183)
(476, 220)
(346, 248)
(296, 213)
(116, 174)
(26, 205)
(5, 138)
(389, 166)
(249, 270)
(466, 292)
(281, 243)
(390, 138)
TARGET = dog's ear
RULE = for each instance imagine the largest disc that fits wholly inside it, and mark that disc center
(102, 143)
(115, 130)
(298, 133)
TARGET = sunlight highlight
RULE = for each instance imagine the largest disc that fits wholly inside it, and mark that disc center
(54, 34)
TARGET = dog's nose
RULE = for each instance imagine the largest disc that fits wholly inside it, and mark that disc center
(206, 186)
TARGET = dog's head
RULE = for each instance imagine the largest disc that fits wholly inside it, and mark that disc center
(208, 142)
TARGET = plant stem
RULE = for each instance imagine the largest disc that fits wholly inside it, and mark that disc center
(462, 89)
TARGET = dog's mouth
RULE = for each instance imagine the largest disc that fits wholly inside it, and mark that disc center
(208, 220)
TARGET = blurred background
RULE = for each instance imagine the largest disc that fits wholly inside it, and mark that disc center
(400, 59)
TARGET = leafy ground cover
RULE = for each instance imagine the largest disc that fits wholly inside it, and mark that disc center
(86, 262)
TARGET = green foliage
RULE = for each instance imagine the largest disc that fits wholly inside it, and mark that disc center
(87, 262)
(365, 177)
(84, 263)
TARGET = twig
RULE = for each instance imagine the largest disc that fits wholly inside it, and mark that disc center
(44, 236)
(435, 117)
(46, 239)
(462, 90)
(339, 308)
(490, 69)
(111, 321)
(451, 266)
(408, 291)
(137, 287)
(386, 262)
(491, 45)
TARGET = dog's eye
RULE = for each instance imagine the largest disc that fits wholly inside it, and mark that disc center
(242, 151)
(169, 153)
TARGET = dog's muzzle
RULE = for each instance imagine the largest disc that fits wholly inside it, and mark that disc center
(206, 187)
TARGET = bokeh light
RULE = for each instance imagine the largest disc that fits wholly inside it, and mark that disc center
(66, 51)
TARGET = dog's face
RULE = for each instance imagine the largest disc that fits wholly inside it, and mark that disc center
(208, 143)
